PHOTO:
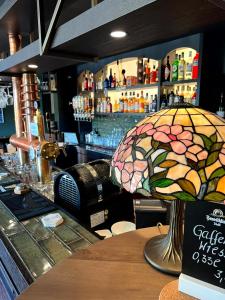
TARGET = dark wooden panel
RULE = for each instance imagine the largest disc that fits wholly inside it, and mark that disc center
(156, 22)
(12, 268)
(98, 17)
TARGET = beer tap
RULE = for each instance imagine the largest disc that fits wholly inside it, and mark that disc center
(48, 122)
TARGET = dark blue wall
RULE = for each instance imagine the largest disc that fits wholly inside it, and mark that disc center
(8, 127)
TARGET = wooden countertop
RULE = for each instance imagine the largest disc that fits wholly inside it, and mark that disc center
(114, 268)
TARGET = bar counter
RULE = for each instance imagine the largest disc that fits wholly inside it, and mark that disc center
(114, 268)
(28, 249)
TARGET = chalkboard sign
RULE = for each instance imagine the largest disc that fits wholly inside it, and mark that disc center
(204, 242)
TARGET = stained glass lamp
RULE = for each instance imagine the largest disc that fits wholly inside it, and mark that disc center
(177, 155)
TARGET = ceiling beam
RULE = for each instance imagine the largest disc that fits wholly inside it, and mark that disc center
(51, 28)
(40, 19)
(45, 39)
(218, 3)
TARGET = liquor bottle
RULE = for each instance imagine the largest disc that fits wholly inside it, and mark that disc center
(136, 103)
(188, 69)
(86, 104)
(163, 101)
(147, 72)
(119, 71)
(121, 103)
(140, 70)
(124, 77)
(175, 68)
(181, 97)
(144, 69)
(167, 70)
(154, 104)
(157, 74)
(82, 104)
(146, 107)
(86, 82)
(181, 67)
(194, 96)
(90, 82)
(83, 83)
(187, 96)
(116, 106)
(221, 111)
(106, 83)
(171, 98)
(153, 75)
(111, 79)
(98, 105)
(142, 103)
(101, 105)
(130, 103)
(101, 81)
(125, 103)
(109, 105)
(89, 104)
(150, 103)
(104, 105)
(114, 80)
(195, 66)
(176, 97)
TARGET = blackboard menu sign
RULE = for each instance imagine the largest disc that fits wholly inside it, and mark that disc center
(204, 242)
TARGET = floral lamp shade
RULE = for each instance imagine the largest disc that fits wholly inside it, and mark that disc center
(176, 153)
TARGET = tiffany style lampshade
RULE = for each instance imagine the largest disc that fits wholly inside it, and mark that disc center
(177, 155)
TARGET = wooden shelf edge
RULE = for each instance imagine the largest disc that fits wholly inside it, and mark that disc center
(170, 83)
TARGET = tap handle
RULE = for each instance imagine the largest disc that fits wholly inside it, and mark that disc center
(48, 120)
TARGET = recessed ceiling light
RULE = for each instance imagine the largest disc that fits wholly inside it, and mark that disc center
(32, 66)
(118, 34)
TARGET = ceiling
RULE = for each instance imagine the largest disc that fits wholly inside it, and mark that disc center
(83, 34)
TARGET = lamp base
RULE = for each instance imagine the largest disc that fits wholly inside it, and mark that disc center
(157, 254)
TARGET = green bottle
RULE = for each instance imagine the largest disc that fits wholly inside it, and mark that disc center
(175, 65)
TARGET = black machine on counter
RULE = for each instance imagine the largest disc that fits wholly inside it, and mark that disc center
(86, 191)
